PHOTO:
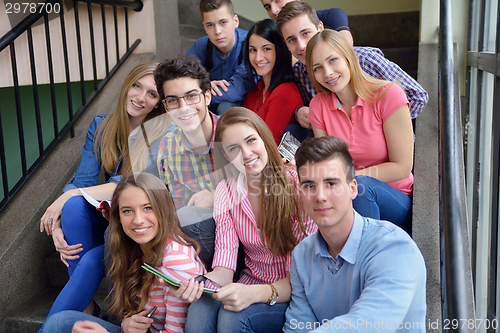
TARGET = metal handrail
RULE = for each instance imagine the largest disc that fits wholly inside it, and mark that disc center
(9, 39)
(455, 288)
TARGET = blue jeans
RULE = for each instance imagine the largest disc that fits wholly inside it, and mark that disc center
(380, 201)
(223, 106)
(63, 322)
(206, 315)
(82, 223)
(299, 132)
(198, 224)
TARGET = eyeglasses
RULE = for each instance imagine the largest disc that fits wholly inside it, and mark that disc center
(174, 102)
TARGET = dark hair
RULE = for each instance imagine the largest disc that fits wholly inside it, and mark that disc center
(282, 70)
(314, 150)
(178, 67)
(209, 5)
(296, 8)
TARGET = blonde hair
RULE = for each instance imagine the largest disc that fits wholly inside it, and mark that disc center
(363, 84)
(129, 279)
(278, 210)
(112, 136)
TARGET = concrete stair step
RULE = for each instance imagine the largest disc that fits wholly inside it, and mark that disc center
(30, 317)
(56, 270)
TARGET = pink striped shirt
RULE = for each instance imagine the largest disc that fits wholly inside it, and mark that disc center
(235, 220)
(179, 261)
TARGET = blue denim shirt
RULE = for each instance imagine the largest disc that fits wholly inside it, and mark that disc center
(226, 68)
(87, 172)
(377, 284)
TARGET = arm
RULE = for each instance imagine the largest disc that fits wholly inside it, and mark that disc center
(374, 63)
(238, 296)
(318, 132)
(239, 86)
(399, 138)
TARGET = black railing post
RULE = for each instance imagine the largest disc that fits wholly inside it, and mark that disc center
(456, 283)
(51, 75)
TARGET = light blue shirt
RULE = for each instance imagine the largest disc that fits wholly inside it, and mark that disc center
(377, 282)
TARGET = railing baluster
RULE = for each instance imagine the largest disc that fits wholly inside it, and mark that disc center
(126, 28)
(34, 83)
(105, 39)
(51, 75)
(3, 163)
(66, 70)
(80, 55)
(19, 114)
(92, 44)
(116, 35)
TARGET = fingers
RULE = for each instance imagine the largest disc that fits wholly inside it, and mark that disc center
(61, 256)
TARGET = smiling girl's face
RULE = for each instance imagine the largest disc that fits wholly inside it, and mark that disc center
(262, 55)
(245, 149)
(137, 217)
(330, 68)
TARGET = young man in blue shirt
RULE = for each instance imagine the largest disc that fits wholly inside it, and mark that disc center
(221, 54)
(355, 273)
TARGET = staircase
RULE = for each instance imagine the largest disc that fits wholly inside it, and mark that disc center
(49, 275)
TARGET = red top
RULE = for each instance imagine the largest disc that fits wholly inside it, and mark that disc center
(278, 110)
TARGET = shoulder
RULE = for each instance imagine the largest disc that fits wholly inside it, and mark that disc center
(393, 93)
(241, 33)
(286, 88)
(382, 238)
(305, 248)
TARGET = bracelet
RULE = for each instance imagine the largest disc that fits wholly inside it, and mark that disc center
(274, 297)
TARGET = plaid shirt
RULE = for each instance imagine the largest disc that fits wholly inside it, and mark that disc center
(374, 63)
(185, 171)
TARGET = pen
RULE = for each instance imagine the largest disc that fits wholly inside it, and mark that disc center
(150, 313)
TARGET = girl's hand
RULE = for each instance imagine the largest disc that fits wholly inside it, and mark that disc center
(67, 252)
(189, 291)
(53, 213)
(238, 296)
(138, 323)
(88, 326)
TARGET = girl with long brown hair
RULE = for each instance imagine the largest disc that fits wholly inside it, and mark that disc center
(258, 205)
(75, 225)
(143, 228)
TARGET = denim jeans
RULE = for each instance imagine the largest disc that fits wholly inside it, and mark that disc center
(197, 223)
(206, 315)
(299, 132)
(380, 201)
(82, 223)
(63, 322)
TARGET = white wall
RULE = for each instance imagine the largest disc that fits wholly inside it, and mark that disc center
(429, 30)
(141, 26)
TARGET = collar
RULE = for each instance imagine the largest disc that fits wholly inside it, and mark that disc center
(351, 246)
(184, 142)
(301, 66)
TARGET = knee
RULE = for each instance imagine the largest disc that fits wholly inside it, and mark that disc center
(366, 187)
(75, 210)
(61, 322)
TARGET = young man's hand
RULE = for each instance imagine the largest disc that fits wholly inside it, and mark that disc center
(302, 117)
(216, 84)
(203, 198)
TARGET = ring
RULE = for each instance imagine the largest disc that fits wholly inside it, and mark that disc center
(50, 220)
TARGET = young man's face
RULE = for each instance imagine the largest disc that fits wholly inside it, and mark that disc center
(219, 25)
(188, 117)
(326, 194)
(296, 33)
(273, 7)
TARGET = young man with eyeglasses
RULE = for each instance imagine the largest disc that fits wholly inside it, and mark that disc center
(185, 160)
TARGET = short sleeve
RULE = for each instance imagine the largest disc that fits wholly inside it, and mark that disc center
(392, 101)
(316, 112)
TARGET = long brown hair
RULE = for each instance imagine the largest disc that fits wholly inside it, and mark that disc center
(279, 197)
(129, 279)
(113, 133)
(363, 84)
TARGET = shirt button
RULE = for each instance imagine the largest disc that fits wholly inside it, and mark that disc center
(202, 159)
(209, 182)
